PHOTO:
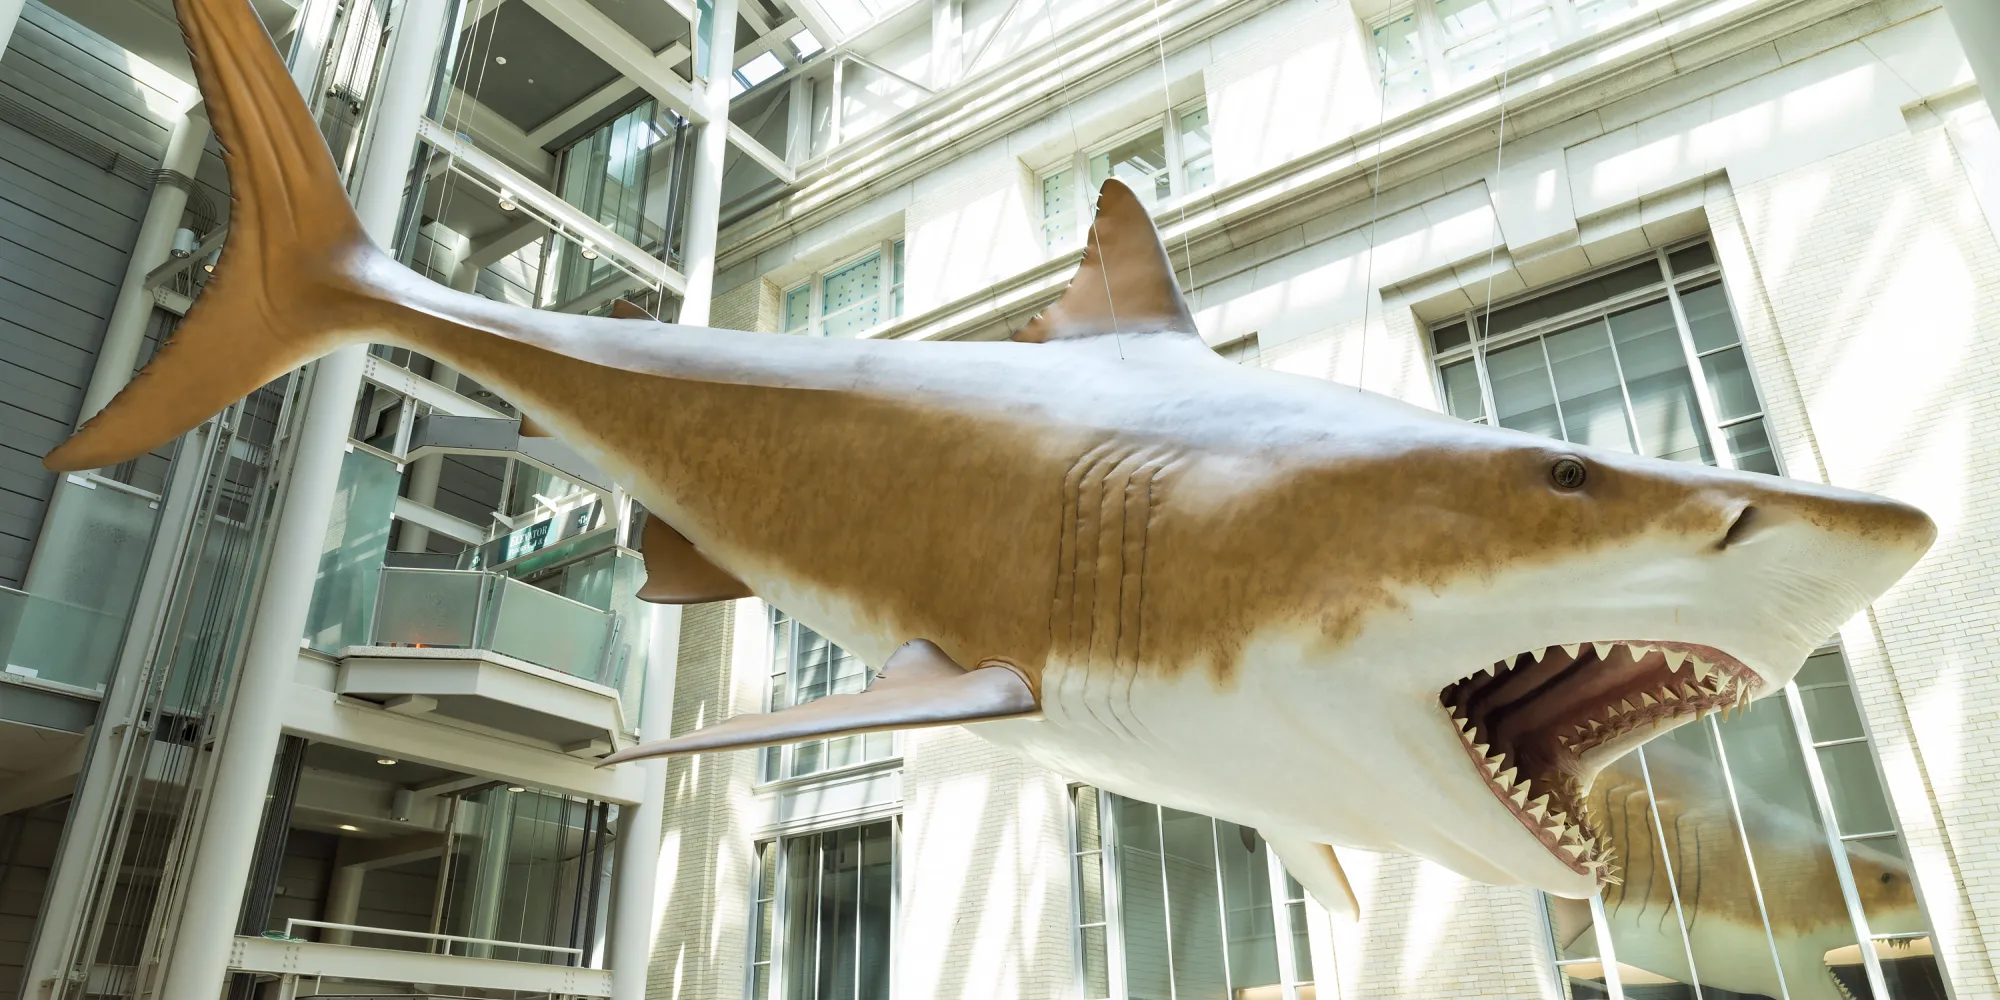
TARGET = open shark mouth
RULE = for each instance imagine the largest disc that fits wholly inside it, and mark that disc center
(1539, 726)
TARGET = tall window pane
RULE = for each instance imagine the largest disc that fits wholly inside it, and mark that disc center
(1593, 403)
(835, 931)
(1092, 937)
(1194, 905)
(1663, 397)
(1399, 51)
(852, 299)
(798, 309)
(1142, 900)
(1521, 392)
(1787, 838)
(1192, 899)
(1251, 922)
(1058, 209)
(1461, 392)
(1197, 150)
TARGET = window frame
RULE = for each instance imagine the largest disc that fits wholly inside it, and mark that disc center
(776, 763)
(889, 301)
(781, 900)
(1084, 196)
(1567, 22)
(1670, 287)
(1283, 904)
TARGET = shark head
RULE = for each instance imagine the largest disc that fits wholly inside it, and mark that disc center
(1541, 609)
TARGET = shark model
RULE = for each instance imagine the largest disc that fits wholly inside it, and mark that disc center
(1314, 610)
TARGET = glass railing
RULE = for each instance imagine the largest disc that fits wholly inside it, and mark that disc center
(56, 642)
(350, 559)
(468, 609)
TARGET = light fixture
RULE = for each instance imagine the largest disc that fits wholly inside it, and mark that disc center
(385, 761)
(184, 243)
(208, 266)
(589, 252)
(507, 201)
(500, 60)
(516, 788)
(350, 828)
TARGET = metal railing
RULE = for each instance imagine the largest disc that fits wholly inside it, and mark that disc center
(446, 939)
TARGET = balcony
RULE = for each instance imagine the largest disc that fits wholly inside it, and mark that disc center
(487, 649)
(536, 636)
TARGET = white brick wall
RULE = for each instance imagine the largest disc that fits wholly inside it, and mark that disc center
(1878, 347)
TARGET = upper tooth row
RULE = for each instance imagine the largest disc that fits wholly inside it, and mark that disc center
(1675, 657)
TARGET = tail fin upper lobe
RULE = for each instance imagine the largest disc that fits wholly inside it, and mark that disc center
(288, 285)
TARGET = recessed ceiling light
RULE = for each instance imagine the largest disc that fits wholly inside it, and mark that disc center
(385, 760)
(589, 252)
(500, 60)
(350, 828)
(516, 788)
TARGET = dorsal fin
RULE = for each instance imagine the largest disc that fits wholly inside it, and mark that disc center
(1125, 285)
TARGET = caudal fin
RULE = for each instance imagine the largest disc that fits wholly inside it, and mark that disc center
(285, 289)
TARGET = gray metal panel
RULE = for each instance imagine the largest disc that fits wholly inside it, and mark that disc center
(66, 229)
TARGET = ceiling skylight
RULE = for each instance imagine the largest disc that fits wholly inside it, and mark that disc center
(764, 67)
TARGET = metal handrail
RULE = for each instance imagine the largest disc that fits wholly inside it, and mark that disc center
(447, 938)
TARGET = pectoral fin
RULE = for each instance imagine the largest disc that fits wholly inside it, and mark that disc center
(677, 572)
(1318, 869)
(919, 687)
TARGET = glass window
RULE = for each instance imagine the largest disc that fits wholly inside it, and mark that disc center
(798, 309)
(1607, 361)
(1172, 904)
(1728, 847)
(851, 297)
(1461, 392)
(1153, 167)
(1197, 151)
(1058, 209)
(1480, 36)
(822, 926)
(1141, 162)
(805, 667)
(1399, 51)
(896, 281)
(605, 174)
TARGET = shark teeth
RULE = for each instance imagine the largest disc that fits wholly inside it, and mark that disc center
(1537, 770)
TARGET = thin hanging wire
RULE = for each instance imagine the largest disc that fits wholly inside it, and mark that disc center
(454, 120)
(1499, 161)
(1374, 220)
(1167, 98)
(1069, 112)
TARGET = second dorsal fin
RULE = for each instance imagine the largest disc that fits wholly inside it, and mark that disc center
(1125, 285)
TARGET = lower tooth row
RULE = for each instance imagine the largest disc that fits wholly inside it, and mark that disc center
(1569, 837)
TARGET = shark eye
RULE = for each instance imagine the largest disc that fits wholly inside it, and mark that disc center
(1567, 473)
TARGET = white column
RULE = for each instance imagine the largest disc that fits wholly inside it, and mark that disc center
(126, 332)
(635, 893)
(250, 743)
(705, 189)
(10, 13)
(343, 902)
(1978, 25)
